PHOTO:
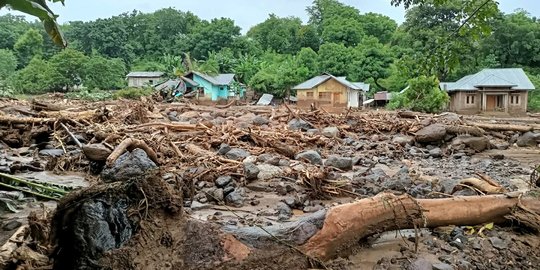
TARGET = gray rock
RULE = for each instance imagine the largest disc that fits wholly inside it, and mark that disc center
(224, 149)
(498, 243)
(478, 144)
(449, 116)
(284, 163)
(431, 133)
(290, 201)
(442, 266)
(313, 132)
(502, 146)
(129, 166)
(11, 225)
(237, 154)
(311, 155)
(52, 152)
(260, 120)
(330, 132)
(251, 171)
(421, 264)
(223, 181)
(267, 172)
(342, 163)
(298, 124)
(528, 139)
(228, 189)
(236, 198)
(313, 209)
(96, 151)
(436, 152)
(218, 195)
(283, 209)
(195, 206)
(403, 140)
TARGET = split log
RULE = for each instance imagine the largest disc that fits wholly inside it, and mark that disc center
(128, 145)
(25, 120)
(480, 185)
(43, 106)
(458, 130)
(502, 127)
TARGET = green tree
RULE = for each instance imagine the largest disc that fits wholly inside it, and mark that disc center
(29, 45)
(11, 28)
(36, 78)
(281, 35)
(379, 26)
(8, 63)
(308, 58)
(423, 95)
(69, 65)
(105, 74)
(372, 61)
(210, 37)
(335, 59)
(246, 67)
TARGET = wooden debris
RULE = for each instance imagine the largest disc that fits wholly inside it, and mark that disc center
(502, 127)
(128, 145)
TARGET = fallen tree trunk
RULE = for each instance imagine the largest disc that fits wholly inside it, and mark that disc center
(345, 224)
(25, 120)
(502, 127)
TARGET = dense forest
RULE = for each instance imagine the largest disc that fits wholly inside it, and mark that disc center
(274, 55)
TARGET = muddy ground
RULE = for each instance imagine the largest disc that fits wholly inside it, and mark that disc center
(242, 166)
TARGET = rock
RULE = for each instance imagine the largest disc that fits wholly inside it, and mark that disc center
(478, 144)
(401, 181)
(195, 205)
(330, 132)
(421, 264)
(218, 195)
(342, 163)
(300, 124)
(260, 120)
(52, 152)
(311, 155)
(290, 201)
(96, 152)
(498, 243)
(449, 116)
(313, 209)
(442, 266)
(11, 225)
(284, 163)
(189, 115)
(251, 171)
(436, 152)
(224, 149)
(403, 140)
(284, 209)
(502, 146)
(237, 154)
(528, 139)
(129, 166)
(267, 172)
(236, 198)
(431, 133)
(228, 189)
(223, 181)
(497, 156)
(313, 132)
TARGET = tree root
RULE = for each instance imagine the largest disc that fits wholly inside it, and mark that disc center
(128, 145)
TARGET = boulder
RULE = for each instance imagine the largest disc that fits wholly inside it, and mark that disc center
(478, 144)
(236, 198)
(260, 120)
(267, 172)
(224, 149)
(129, 166)
(342, 163)
(237, 154)
(251, 171)
(403, 140)
(223, 181)
(330, 132)
(299, 124)
(436, 152)
(528, 139)
(311, 155)
(96, 152)
(431, 133)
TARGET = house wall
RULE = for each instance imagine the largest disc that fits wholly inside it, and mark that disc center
(212, 92)
(142, 81)
(458, 101)
(329, 95)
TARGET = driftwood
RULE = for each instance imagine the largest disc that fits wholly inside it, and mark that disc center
(128, 145)
(200, 152)
(25, 120)
(459, 129)
(480, 185)
(12, 243)
(502, 127)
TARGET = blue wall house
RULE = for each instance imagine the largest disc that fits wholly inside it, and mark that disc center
(222, 86)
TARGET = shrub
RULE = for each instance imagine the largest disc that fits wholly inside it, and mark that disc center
(132, 93)
(423, 95)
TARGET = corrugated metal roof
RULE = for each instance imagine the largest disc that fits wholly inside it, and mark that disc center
(145, 74)
(363, 86)
(500, 77)
(265, 99)
(317, 80)
(190, 81)
(220, 79)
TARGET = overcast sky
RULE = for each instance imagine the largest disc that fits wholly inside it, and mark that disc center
(245, 13)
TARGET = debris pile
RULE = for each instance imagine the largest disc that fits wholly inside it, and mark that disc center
(247, 173)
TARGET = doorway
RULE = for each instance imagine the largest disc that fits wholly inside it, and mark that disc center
(494, 103)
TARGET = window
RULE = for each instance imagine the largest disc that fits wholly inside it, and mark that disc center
(470, 99)
(221, 88)
(514, 99)
(325, 95)
(151, 81)
(309, 94)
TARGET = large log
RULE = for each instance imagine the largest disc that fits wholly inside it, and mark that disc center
(502, 127)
